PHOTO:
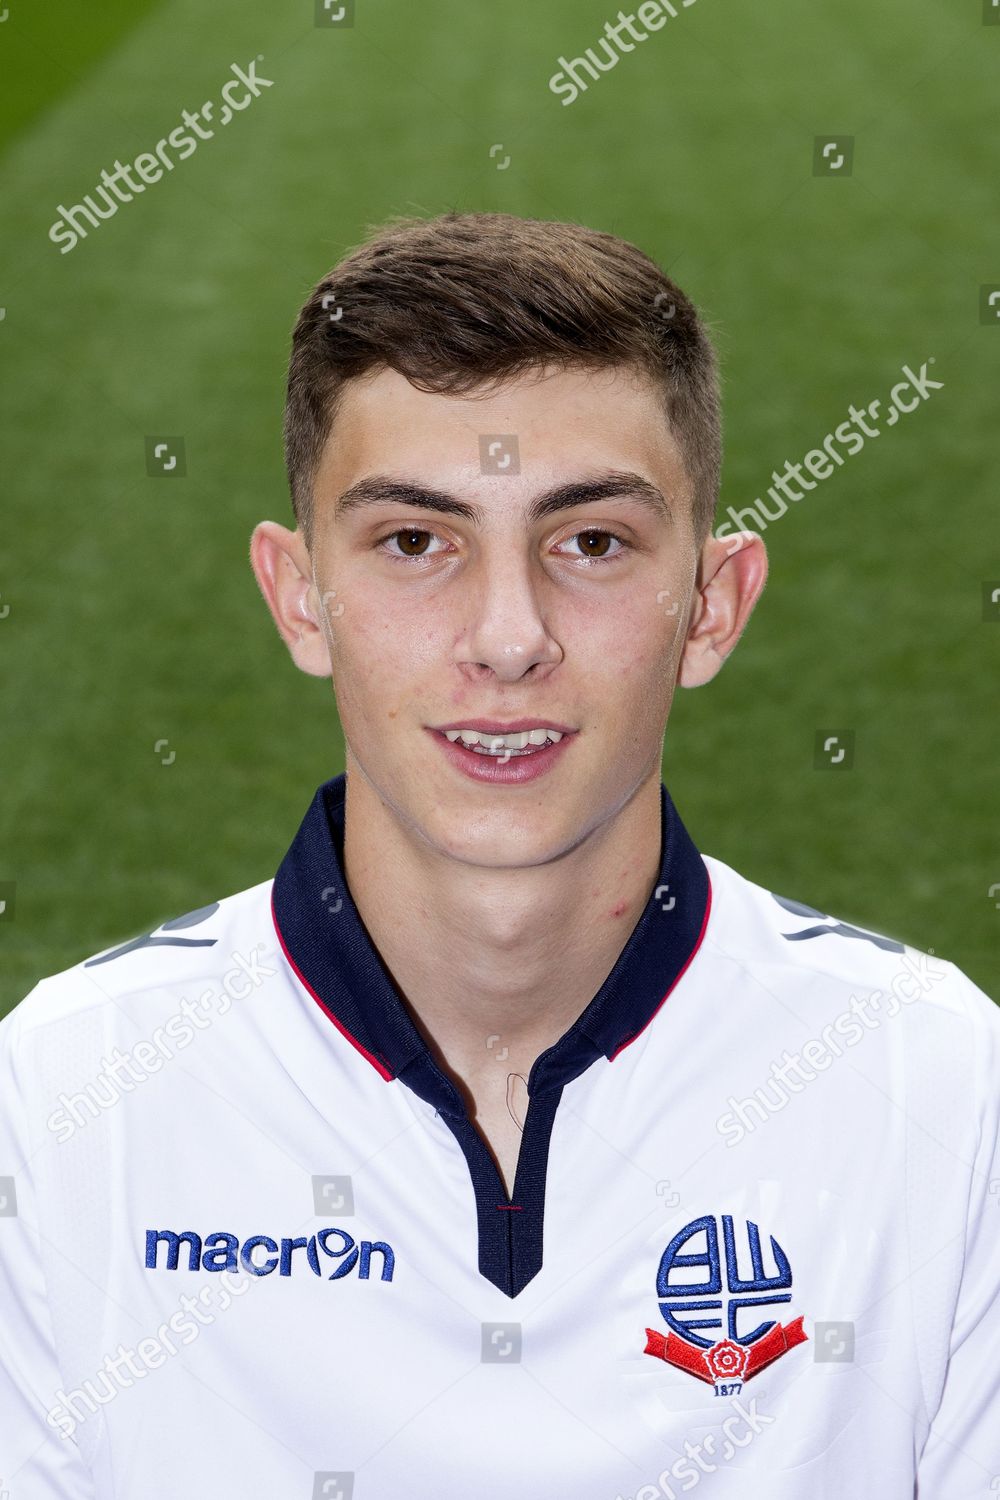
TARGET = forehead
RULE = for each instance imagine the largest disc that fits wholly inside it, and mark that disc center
(565, 422)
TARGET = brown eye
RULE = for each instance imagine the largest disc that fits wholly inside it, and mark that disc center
(406, 537)
(594, 545)
(410, 543)
(602, 537)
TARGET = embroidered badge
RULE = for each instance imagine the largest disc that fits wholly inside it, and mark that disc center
(700, 1286)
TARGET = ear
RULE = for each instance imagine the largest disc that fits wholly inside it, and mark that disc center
(731, 575)
(280, 561)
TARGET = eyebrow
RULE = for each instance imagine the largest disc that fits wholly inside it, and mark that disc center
(618, 484)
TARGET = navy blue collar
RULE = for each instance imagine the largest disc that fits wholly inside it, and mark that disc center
(330, 950)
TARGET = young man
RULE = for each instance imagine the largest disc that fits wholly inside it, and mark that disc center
(502, 1144)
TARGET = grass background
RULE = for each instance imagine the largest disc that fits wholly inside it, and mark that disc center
(133, 615)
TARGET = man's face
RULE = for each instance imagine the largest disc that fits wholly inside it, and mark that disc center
(575, 618)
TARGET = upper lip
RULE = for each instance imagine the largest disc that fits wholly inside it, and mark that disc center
(515, 726)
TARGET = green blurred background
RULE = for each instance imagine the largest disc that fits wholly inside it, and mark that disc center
(128, 613)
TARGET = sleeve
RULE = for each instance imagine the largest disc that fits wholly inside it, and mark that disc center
(37, 1461)
(961, 1457)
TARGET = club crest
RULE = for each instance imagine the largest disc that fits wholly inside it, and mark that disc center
(713, 1287)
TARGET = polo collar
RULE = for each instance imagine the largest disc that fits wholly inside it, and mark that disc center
(329, 949)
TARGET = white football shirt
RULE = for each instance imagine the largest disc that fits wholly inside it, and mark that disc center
(250, 1243)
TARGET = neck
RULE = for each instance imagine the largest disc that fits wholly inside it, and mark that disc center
(495, 965)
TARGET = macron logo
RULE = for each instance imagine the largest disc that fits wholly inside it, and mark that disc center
(260, 1255)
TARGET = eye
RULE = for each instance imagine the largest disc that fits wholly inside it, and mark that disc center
(412, 542)
(409, 536)
(599, 539)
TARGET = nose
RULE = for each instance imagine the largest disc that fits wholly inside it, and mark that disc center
(507, 634)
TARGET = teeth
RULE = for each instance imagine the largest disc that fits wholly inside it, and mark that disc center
(496, 744)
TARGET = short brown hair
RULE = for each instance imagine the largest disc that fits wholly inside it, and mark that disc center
(466, 300)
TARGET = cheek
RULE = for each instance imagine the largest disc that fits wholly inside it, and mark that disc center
(638, 640)
(642, 661)
(382, 653)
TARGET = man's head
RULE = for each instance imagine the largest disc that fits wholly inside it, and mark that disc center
(463, 301)
(503, 446)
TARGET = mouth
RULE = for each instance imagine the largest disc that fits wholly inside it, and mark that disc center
(524, 742)
(488, 749)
